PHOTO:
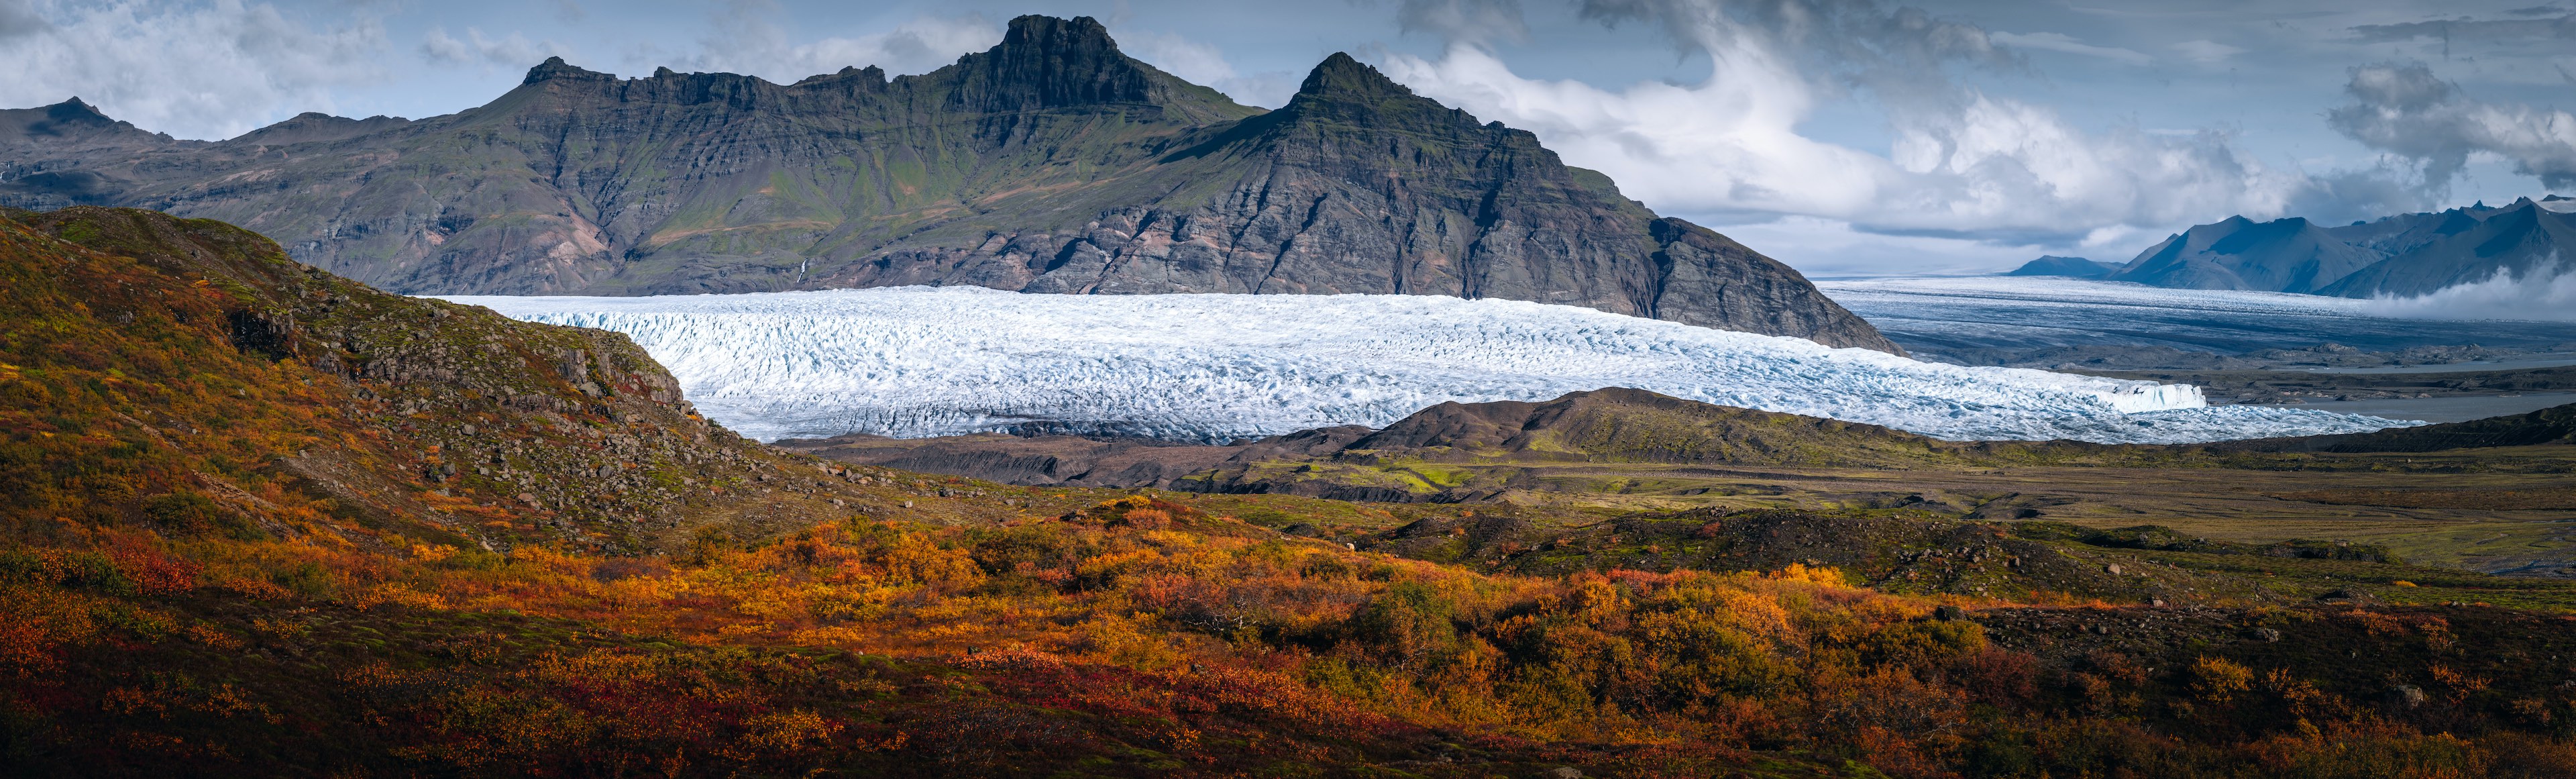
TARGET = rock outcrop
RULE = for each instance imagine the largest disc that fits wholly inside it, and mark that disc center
(1051, 163)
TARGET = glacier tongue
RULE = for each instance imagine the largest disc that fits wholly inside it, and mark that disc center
(919, 361)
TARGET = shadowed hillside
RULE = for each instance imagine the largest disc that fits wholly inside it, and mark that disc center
(185, 370)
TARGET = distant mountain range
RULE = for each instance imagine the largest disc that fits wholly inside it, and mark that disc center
(1050, 163)
(2052, 265)
(2404, 255)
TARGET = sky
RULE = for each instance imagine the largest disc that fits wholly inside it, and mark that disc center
(1846, 137)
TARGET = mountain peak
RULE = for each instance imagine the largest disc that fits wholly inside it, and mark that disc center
(555, 68)
(1341, 75)
(1044, 61)
(1079, 33)
(76, 111)
(2053, 265)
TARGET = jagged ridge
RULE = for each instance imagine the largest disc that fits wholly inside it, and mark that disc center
(1051, 163)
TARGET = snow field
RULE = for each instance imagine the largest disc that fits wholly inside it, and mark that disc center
(918, 361)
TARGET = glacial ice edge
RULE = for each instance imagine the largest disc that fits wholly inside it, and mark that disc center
(919, 361)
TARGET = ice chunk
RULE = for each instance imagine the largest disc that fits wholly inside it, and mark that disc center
(918, 361)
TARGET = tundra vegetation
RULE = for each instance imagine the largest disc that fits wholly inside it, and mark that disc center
(260, 520)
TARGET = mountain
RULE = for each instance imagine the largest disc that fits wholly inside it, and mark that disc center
(185, 373)
(1050, 163)
(2521, 240)
(2064, 266)
(2285, 255)
(2402, 255)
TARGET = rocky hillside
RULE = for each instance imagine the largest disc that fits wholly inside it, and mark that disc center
(2527, 238)
(2287, 255)
(2403, 255)
(185, 374)
(1051, 163)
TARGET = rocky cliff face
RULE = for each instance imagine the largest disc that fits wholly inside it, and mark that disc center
(1051, 163)
(1360, 186)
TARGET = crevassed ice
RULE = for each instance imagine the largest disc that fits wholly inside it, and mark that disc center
(918, 361)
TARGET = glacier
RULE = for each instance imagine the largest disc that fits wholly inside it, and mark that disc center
(922, 361)
(1933, 314)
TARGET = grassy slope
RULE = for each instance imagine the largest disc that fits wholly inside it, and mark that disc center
(1616, 451)
(181, 595)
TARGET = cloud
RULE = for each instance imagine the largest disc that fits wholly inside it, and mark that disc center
(2548, 294)
(1202, 64)
(742, 39)
(194, 70)
(2206, 52)
(1962, 163)
(1828, 248)
(1465, 21)
(2406, 110)
(2060, 42)
(2561, 28)
(514, 51)
(19, 18)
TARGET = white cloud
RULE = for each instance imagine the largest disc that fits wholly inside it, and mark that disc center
(514, 51)
(18, 17)
(1196, 62)
(2546, 295)
(2060, 42)
(2207, 52)
(2406, 110)
(1465, 21)
(194, 70)
(744, 40)
(1961, 163)
(1202, 64)
(1826, 248)
(1731, 145)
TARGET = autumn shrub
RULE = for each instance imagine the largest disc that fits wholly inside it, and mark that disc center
(189, 513)
(1182, 639)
